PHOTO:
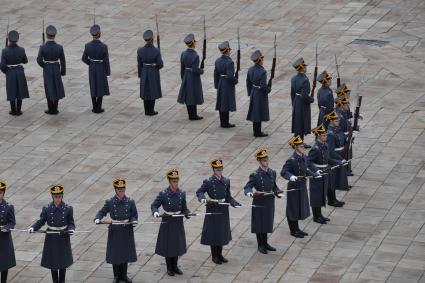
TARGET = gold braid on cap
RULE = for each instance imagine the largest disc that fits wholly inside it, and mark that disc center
(217, 163)
(331, 116)
(172, 174)
(224, 50)
(3, 185)
(261, 58)
(341, 101)
(301, 65)
(319, 130)
(261, 153)
(119, 183)
(295, 141)
(56, 189)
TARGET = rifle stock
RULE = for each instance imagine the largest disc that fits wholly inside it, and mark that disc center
(355, 127)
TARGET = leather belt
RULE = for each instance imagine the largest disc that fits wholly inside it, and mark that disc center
(51, 62)
(172, 213)
(14, 66)
(56, 228)
(223, 76)
(339, 148)
(95, 60)
(256, 86)
(324, 107)
(188, 69)
(122, 221)
(298, 94)
(147, 64)
(216, 199)
(320, 165)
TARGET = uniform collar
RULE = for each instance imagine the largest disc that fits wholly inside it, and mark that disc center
(123, 199)
(173, 192)
(259, 66)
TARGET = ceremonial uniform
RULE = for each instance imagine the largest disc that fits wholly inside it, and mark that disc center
(121, 247)
(12, 59)
(7, 222)
(263, 180)
(258, 90)
(57, 253)
(346, 117)
(295, 170)
(97, 58)
(301, 100)
(215, 193)
(171, 241)
(149, 62)
(191, 88)
(51, 58)
(224, 82)
(325, 101)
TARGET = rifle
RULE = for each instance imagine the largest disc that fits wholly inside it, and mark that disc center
(94, 16)
(204, 47)
(313, 89)
(238, 58)
(273, 65)
(355, 127)
(7, 33)
(338, 79)
(42, 31)
(157, 33)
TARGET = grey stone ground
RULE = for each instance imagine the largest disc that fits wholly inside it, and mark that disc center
(377, 237)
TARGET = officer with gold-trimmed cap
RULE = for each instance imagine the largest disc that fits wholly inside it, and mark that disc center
(343, 90)
(325, 98)
(171, 241)
(224, 83)
(121, 247)
(345, 123)
(215, 193)
(59, 217)
(263, 180)
(296, 170)
(7, 222)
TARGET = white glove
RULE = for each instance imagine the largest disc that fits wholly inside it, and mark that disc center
(203, 200)
(4, 230)
(156, 214)
(344, 161)
(293, 178)
(31, 230)
(96, 221)
(320, 172)
(71, 231)
(361, 117)
(249, 195)
(354, 134)
(134, 222)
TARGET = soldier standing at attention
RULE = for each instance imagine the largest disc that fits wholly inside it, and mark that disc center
(264, 181)
(296, 170)
(325, 98)
(301, 100)
(224, 82)
(258, 90)
(97, 58)
(171, 241)
(121, 248)
(191, 88)
(216, 230)
(12, 59)
(7, 222)
(52, 59)
(57, 253)
(149, 62)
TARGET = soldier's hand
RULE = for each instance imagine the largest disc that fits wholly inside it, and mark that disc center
(250, 195)
(236, 204)
(156, 214)
(293, 178)
(134, 223)
(203, 200)
(31, 230)
(235, 81)
(187, 216)
(97, 221)
(71, 232)
(4, 230)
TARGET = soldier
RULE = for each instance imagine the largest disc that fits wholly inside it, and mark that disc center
(258, 90)
(346, 116)
(12, 59)
(325, 98)
(301, 100)
(121, 248)
(216, 230)
(171, 241)
(262, 214)
(96, 57)
(7, 222)
(149, 62)
(57, 253)
(191, 88)
(296, 171)
(52, 59)
(224, 82)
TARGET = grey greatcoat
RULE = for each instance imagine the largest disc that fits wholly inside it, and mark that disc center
(7, 222)
(325, 101)
(297, 205)
(224, 82)
(256, 85)
(191, 88)
(12, 58)
(121, 247)
(97, 58)
(51, 58)
(262, 217)
(57, 253)
(149, 62)
(216, 230)
(301, 100)
(336, 141)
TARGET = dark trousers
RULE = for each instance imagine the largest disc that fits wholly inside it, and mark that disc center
(4, 276)
(58, 276)
(149, 106)
(331, 194)
(192, 111)
(262, 239)
(256, 126)
(52, 106)
(172, 263)
(224, 119)
(293, 225)
(97, 104)
(120, 271)
(216, 251)
(15, 107)
(317, 211)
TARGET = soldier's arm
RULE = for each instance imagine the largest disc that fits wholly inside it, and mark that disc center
(229, 197)
(185, 210)
(71, 223)
(334, 158)
(159, 62)
(200, 193)
(105, 210)
(40, 61)
(182, 67)
(331, 142)
(24, 56)
(156, 203)
(292, 91)
(311, 158)
(250, 185)
(139, 65)
(230, 72)
(216, 78)
(3, 62)
(305, 92)
(276, 189)
(263, 83)
(195, 66)
(63, 62)
(11, 221)
(85, 57)
(248, 84)
(106, 62)
(40, 222)
(287, 170)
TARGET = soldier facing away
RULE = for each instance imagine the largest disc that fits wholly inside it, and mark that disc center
(12, 59)
(7, 222)
(149, 62)
(97, 58)
(51, 58)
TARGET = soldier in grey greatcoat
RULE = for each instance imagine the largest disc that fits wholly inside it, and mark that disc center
(149, 62)
(96, 56)
(224, 82)
(325, 98)
(7, 222)
(191, 88)
(121, 247)
(12, 59)
(51, 58)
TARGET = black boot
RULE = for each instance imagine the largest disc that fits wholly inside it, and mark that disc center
(224, 120)
(170, 271)
(214, 255)
(12, 108)
(332, 201)
(99, 105)
(293, 228)
(193, 115)
(261, 248)
(146, 106)
(317, 215)
(55, 275)
(116, 269)
(220, 254)
(257, 130)
(62, 273)
(94, 103)
(18, 107)
(49, 107)
(4, 276)
(152, 108)
(123, 273)
(268, 247)
(176, 269)
(55, 107)
(299, 230)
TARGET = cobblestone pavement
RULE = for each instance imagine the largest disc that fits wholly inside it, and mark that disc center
(377, 237)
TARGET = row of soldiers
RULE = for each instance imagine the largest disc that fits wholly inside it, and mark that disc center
(324, 166)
